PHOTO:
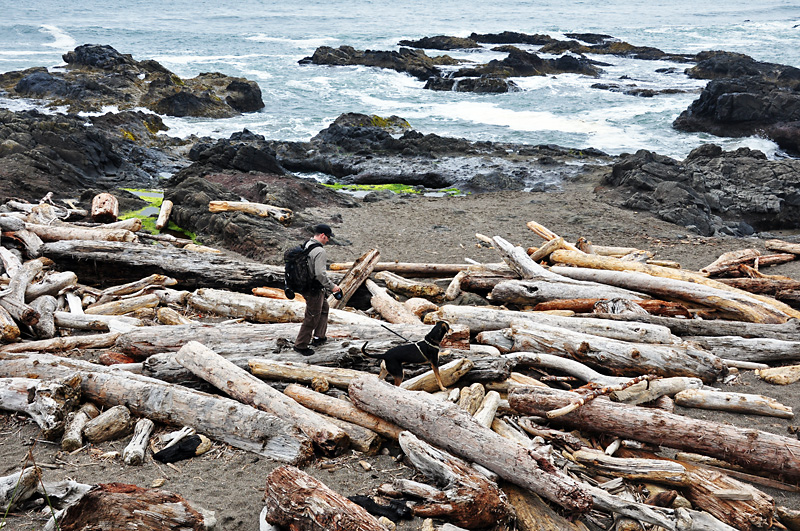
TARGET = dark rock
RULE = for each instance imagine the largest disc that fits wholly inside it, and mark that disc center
(441, 42)
(713, 191)
(98, 76)
(413, 62)
(591, 38)
(521, 63)
(511, 37)
(483, 84)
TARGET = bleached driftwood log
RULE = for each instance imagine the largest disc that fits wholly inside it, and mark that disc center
(47, 402)
(756, 308)
(54, 233)
(469, 499)
(168, 316)
(19, 486)
(355, 276)
(111, 424)
(457, 432)
(246, 388)
(163, 214)
(749, 349)
(51, 284)
(487, 409)
(13, 299)
(390, 309)
(133, 454)
(420, 307)
(45, 306)
(63, 344)
(780, 375)
(644, 392)
(284, 215)
(479, 319)
(652, 470)
(227, 420)
(753, 449)
(546, 234)
(123, 306)
(342, 409)
(470, 397)
(302, 372)
(619, 357)
(533, 514)
(294, 499)
(92, 322)
(261, 309)
(73, 430)
(149, 282)
(566, 365)
(450, 373)
(736, 402)
(408, 269)
(409, 288)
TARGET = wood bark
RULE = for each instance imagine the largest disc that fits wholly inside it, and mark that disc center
(735, 402)
(163, 214)
(296, 501)
(622, 358)
(111, 261)
(342, 409)
(470, 499)
(105, 208)
(224, 419)
(755, 450)
(107, 505)
(409, 288)
(248, 389)
(283, 215)
(390, 309)
(456, 432)
(763, 308)
(354, 277)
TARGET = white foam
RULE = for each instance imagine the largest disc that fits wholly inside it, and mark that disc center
(298, 43)
(62, 40)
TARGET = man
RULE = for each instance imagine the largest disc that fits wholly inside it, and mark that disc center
(315, 321)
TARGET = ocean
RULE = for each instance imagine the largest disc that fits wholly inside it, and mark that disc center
(264, 40)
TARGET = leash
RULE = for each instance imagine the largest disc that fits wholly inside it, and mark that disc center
(395, 333)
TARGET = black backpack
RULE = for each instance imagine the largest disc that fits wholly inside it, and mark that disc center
(298, 276)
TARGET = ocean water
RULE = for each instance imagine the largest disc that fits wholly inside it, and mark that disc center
(264, 40)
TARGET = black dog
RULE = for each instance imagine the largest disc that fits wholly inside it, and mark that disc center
(425, 351)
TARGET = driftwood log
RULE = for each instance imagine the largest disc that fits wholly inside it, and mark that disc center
(408, 269)
(457, 432)
(164, 213)
(755, 450)
(246, 388)
(113, 423)
(409, 288)
(390, 309)
(224, 419)
(73, 430)
(355, 276)
(746, 403)
(47, 402)
(105, 208)
(284, 215)
(296, 501)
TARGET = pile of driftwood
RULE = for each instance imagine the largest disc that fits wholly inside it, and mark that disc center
(605, 341)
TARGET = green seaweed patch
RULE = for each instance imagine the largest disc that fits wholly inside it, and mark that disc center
(177, 81)
(393, 187)
(154, 198)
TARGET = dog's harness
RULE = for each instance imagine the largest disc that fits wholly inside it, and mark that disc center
(429, 343)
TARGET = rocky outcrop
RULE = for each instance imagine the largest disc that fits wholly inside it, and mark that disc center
(355, 151)
(412, 62)
(98, 76)
(64, 154)
(520, 63)
(441, 42)
(744, 98)
(712, 191)
(511, 37)
(611, 46)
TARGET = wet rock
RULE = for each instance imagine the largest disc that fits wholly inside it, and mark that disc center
(98, 76)
(511, 37)
(520, 63)
(413, 62)
(483, 84)
(441, 42)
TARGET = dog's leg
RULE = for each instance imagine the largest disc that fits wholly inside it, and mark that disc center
(438, 377)
(398, 380)
(383, 372)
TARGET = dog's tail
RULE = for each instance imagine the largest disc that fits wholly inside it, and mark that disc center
(368, 354)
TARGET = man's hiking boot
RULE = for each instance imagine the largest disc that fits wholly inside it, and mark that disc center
(317, 341)
(304, 351)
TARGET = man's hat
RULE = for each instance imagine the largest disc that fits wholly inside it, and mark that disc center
(323, 229)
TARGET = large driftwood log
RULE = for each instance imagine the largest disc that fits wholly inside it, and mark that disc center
(111, 424)
(342, 409)
(84, 321)
(390, 309)
(54, 233)
(284, 215)
(51, 284)
(756, 450)
(13, 298)
(469, 499)
(123, 306)
(261, 309)
(63, 344)
(479, 319)
(355, 276)
(152, 281)
(47, 402)
(566, 365)
(230, 421)
(73, 430)
(408, 269)
(769, 310)
(246, 388)
(302, 372)
(111, 261)
(297, 501)
(107, 505)
(619, 357)
(749, 349)
(456, 431)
